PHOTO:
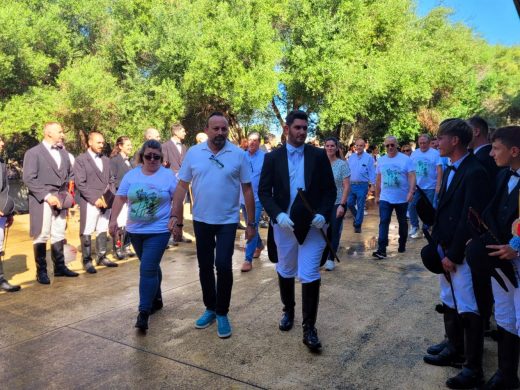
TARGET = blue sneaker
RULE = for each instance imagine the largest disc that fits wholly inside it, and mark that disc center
(205, 320)
(223, 327)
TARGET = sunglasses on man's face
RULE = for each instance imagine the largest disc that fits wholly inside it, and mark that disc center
(152, 156)
(390, 146)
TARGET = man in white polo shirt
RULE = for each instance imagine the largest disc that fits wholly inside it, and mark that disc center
(217, 170)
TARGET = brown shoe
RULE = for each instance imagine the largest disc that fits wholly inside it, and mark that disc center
(246, 266)
(256, 255)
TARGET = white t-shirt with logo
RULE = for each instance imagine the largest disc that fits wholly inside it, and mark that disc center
(394, 177)
(425, 164)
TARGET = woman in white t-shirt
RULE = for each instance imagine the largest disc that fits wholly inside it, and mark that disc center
(148, 189)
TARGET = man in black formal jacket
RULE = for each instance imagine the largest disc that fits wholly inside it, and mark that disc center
(295, 229)
(465, 185)
(481, 146)
(500, 259)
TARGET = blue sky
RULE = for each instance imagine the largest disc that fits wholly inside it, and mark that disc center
(495, 20)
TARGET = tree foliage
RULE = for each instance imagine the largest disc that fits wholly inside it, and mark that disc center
(359, 67)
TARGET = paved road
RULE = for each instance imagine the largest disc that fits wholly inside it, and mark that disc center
(376, 318)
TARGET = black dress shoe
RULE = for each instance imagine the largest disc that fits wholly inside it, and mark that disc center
(119, 254)
(107, 263)
(142, 321)
(89, 267)
(43, 278)
(357, 229)
(64, 271)
(500, 382)
(157, 305)
(286, 322)
(4, 285)
(466, 379)
(310, 339)
(446, 358)
(437, 348)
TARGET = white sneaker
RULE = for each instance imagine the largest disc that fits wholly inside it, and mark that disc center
(418, 234)
(329, 265)
(365, 213)
(413, 231)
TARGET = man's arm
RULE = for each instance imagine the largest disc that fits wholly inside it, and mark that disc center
(411, 186)
(378, 187)
(265, 188)
(177, 214)
(30, 177)
(249, 199)
(117, 206)
(439, 179)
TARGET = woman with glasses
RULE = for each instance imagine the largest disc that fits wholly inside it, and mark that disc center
(148, 189)
(341, 172)
(406, 149)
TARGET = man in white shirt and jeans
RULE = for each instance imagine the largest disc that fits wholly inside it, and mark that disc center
(395, 183)
(217, 170)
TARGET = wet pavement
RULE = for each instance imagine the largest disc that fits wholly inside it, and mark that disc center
(376, 319)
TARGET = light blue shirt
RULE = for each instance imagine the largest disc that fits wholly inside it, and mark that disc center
(394, 177)
(513, 181)
(255, 161)
(216, 182)
(452, 173)
(296, 161)
(426, 164)
(362, 168)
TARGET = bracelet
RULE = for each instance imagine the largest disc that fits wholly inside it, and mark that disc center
(252, 224)
(179, 224)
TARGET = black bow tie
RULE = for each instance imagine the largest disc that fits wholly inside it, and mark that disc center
(513, 173)
(452, 168)
(57, 147)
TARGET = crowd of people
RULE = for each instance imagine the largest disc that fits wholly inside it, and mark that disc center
(459, 190)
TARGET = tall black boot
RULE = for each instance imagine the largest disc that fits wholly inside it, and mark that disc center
(86, 253)
(40, 252)
(453, 351)
(60, 269)
(506, 376)
(471, 374)
(287, 296)
(101, 251)
(310, 302)
(4, 284)
(117, 245)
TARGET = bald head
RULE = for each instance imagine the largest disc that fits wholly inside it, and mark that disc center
(201, 137)
(53, 133)
(152, 133)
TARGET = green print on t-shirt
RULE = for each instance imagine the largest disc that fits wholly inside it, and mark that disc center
(144, 206)
(391, 177)
(421, 168)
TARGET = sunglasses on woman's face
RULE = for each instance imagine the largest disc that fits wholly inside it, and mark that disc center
(152, 156)
(406, 150)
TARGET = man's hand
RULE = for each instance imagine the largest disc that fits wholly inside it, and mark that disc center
(177, 233)
(448, 265)
(340, 211)
(409, 197)
(284, 221)
(318, 221)
(504, 252)
(377, 199)
(112, 229)
(53, 201)
(99, 203)
(250, 232)
(9, 222)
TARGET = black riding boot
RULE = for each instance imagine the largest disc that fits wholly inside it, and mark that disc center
(4, 284)
(506, 376)
(471, 374)
(60, 269)
(101, 250)
(40, 252)
(287, 296)
(86, 253)
(452, 353)
(310, 302)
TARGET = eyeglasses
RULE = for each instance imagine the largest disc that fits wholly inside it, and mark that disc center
(406, 150)
(152, 156)
(216, 161)
(390, 146)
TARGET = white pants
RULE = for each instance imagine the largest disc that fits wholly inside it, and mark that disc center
(96, 221)
(299, 260)
(53, 226)
(123, 216)
(3, 220)
(507, 303)
(463, 288)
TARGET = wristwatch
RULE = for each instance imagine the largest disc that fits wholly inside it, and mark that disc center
(252, 224)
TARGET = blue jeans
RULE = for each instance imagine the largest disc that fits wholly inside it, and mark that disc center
(215, 247)
(256, 241)
(336, 226)
(414, 219)
(356, 202)
(385, 215)
(149, 249)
